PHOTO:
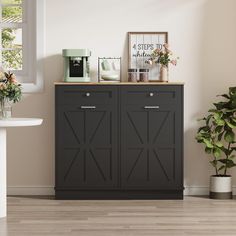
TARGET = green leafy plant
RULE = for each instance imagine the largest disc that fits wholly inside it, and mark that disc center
(217, 133)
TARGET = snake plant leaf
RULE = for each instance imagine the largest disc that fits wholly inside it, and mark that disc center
(229, 136)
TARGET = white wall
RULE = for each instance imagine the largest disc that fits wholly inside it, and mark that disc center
(201, 32)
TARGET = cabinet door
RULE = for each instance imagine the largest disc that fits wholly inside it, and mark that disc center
(151, 137)
(86, 144)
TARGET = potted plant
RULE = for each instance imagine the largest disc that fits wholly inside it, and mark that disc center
(218, 136)
(163, 57)
(10, 92)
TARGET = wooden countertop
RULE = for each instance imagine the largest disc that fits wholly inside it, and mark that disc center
(119, 83)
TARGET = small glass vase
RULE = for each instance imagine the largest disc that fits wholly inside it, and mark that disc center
(164, 73)
(5, 108)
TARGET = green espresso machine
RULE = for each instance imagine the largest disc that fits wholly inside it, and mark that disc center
(76, 65)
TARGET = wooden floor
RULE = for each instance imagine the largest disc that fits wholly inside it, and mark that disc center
(193, 216)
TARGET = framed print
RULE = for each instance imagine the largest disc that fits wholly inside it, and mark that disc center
(109, 69)
(141, 46)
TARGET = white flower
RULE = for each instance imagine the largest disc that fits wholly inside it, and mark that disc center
(2, 76)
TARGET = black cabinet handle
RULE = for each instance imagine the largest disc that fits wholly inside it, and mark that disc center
(151, 107)
(88, 107)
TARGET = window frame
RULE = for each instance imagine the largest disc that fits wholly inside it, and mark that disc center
(33, 36)
(17, 25)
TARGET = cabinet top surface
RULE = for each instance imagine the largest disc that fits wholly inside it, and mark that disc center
(118, 84)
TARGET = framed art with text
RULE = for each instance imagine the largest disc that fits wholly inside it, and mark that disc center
(141, 46)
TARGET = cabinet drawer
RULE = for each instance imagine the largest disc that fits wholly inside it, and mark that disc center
(150, 95)
(86, 95)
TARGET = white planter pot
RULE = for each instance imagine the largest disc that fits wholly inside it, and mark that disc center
(221, 187)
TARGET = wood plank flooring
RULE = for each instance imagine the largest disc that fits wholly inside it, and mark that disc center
(31, 216)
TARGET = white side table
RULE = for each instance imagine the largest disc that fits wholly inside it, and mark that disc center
(11, 122)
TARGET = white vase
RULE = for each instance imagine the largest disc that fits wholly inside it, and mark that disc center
(164, 74)
(5, 108)
(221, 187)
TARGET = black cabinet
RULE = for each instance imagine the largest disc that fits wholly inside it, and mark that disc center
(119, 141)
(151, 137)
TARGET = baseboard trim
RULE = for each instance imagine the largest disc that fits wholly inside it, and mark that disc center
(196, 190)
(30, 190)
(200, 190)
(49, 190)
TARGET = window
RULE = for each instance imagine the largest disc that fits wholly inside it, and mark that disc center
(21, 41)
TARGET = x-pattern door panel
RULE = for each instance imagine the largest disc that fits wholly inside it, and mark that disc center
(88, 147)
(150, 127)
(151, 149)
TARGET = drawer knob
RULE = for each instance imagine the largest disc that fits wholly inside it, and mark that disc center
(87, 94)
(151, 94)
